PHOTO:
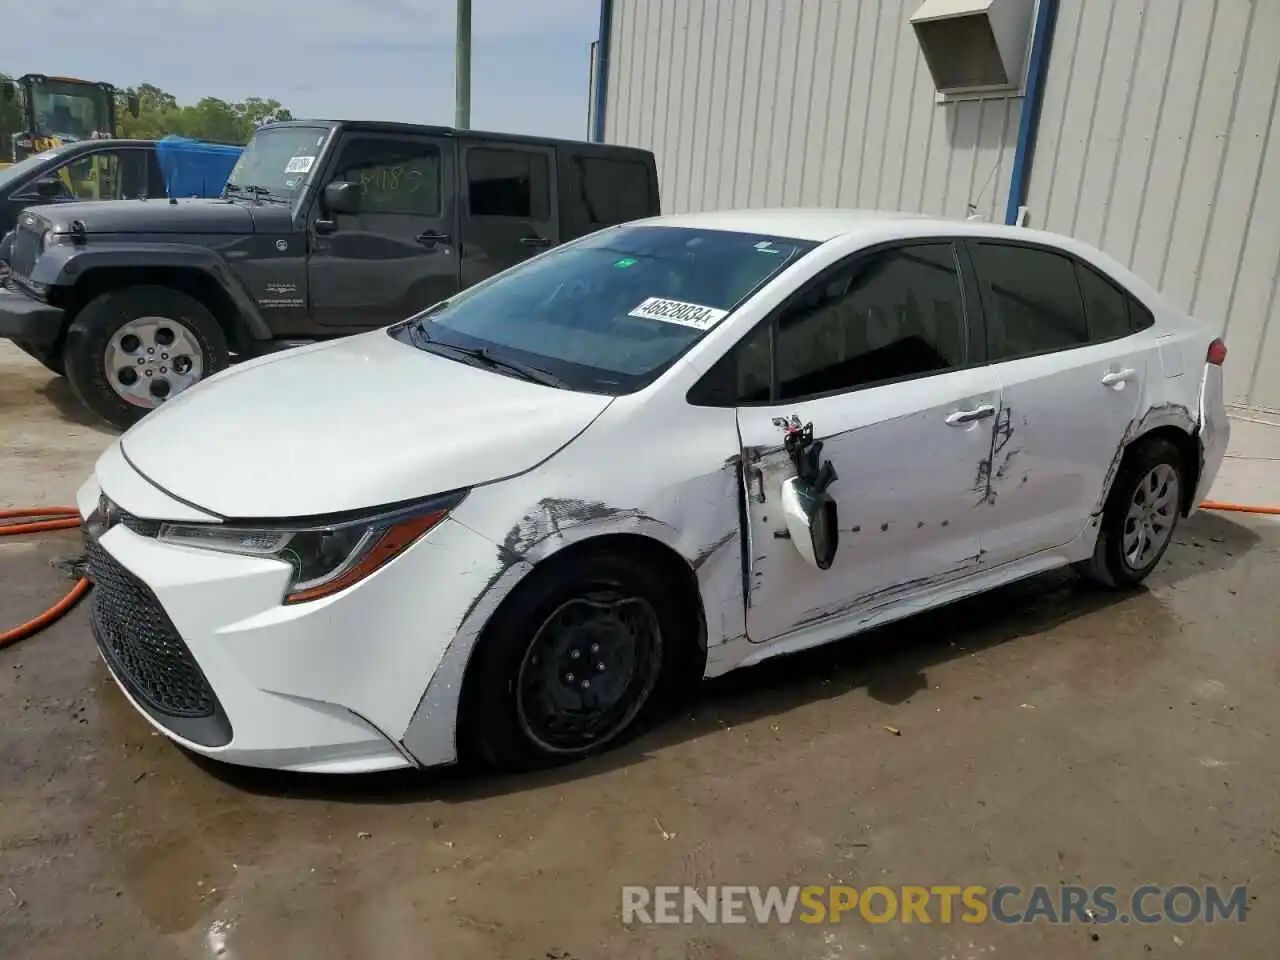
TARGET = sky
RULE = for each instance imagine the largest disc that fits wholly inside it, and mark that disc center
(332, 59)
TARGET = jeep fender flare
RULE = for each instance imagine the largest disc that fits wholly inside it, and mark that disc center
(64, 264)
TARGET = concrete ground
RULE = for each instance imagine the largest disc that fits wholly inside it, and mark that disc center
(1044, 734)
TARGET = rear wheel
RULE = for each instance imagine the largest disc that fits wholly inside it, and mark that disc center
(130, 350)
(1140, 516)
(574, 662)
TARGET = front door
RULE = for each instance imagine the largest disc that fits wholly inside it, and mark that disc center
(509, 207)
(875, 356)
(1072, 382)
(399, 254)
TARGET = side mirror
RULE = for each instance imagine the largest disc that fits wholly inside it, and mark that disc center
(813, 522)
(342, 197)
(50, 187)
(133, 104)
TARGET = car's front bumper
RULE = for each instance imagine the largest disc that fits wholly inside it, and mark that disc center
(26, 320)
(201, 644)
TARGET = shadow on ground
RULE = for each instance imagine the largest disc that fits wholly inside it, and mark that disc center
(890, 663)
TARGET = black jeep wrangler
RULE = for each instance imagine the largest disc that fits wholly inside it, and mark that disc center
(324, 229)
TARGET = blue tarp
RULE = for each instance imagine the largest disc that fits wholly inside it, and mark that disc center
(193, 168)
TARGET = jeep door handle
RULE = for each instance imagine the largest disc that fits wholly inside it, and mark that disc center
(960, 418)
(535, 241)
(1117, 377)
(429, 238)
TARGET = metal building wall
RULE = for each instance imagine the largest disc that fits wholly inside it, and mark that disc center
(800, 102)
(1159, 143)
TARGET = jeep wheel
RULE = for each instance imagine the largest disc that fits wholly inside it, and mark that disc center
(130, 350)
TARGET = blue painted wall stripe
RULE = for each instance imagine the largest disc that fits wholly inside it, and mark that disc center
(1033, 97)
(601, 92)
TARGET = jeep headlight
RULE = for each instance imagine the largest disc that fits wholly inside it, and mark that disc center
(326, 557)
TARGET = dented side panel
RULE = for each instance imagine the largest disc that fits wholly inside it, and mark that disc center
(1063, 418)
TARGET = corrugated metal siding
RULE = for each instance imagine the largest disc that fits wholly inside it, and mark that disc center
(1156, 144)
(800, 103)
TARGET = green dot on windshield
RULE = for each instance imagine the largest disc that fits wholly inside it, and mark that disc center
(625, 262)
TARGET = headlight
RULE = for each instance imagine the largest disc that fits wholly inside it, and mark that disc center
(326, 557)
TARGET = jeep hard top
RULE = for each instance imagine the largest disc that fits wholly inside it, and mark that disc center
(325, 228)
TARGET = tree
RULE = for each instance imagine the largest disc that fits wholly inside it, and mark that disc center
(160, 114)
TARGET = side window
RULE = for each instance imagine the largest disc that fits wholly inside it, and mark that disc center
(397, 175)
(508, 183)
(1106, 306)
(1139, 316)
(892, 314)
(612, 191)
(1032, 300)
(107, 175)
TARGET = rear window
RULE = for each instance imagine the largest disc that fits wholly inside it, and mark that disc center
(609, 192)
(609, 313)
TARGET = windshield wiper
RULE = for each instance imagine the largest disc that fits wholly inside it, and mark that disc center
(258, 193)
(534, 374)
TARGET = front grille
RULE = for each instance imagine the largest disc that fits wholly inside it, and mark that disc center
(26, 248)
(141, 643)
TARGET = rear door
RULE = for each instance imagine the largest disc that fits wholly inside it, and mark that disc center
(399, 253)
(1072, 380)
(509, 206)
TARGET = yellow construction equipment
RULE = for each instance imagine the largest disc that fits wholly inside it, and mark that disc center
(54, 111)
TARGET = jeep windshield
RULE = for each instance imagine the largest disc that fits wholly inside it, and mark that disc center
(277, 162)
(608, 313)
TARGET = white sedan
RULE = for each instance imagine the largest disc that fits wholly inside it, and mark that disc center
(512, 526)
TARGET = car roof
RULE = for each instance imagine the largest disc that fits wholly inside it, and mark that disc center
(820, 224)
(391, 126)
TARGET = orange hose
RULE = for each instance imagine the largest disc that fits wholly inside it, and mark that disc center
(1239, 508)
(41, 521)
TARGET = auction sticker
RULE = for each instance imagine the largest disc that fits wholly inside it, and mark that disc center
(299, 164)
(677, 311)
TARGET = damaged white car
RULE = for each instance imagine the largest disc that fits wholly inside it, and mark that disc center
(509, 527)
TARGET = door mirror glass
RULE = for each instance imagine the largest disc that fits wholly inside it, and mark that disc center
(813, 522)
(342, 197)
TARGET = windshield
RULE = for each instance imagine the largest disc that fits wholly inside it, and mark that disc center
(70, 111)
(608, 313)
(278, 160)
(22, 168)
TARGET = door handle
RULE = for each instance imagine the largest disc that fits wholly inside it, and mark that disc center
(1118, 377)
(535, 241)
(429, 238)
(959, 418)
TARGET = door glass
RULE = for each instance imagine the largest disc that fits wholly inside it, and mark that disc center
(893, 314)
(396, 175)
(508, 183)
(1032, 300)
(1106, 306)
(107, 175)
(611, 191)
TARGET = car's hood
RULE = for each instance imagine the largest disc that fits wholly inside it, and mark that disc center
(348, 425)
(151, 216)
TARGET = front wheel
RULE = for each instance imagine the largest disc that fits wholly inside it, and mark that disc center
(573, 663)
(130, 350)
(1140, 516)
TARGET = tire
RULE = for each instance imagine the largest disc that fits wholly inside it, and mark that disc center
(505, 722)
(1156, 468)
(159, 319)
(48, 357)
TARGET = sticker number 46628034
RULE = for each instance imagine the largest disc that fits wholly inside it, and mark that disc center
(677, 311)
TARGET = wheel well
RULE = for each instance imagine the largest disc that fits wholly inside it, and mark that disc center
(195, 283)
(653, 552)
(1188, 446)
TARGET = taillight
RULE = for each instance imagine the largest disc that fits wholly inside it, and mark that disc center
(1217, 353)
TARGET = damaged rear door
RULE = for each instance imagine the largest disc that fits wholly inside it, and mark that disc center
(877, 357)
(1072, 362)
